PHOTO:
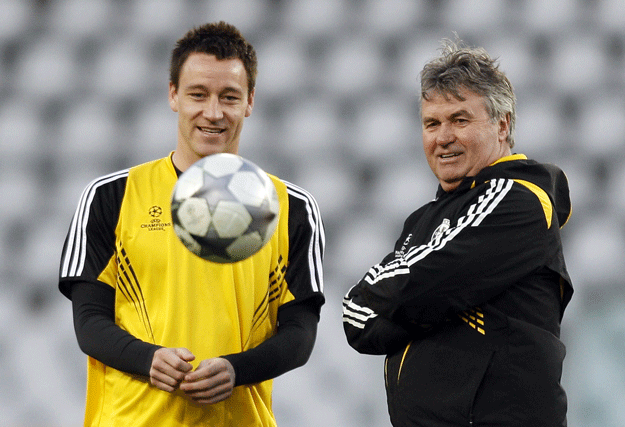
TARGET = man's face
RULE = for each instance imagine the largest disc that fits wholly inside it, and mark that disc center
(212, 101)
(459, 137)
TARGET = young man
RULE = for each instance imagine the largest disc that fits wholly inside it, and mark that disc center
(468, 306)
(173, 339)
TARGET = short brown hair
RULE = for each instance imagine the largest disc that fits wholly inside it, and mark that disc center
(220, 39)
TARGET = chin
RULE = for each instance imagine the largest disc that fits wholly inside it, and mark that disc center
(450, 183)
(206, 149)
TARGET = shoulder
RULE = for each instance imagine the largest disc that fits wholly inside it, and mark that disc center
(298, 198)
(299, 193)
(500, 189)
(545, 183)
(110, 188)
(110, 183)
(301, 211)
(158, 166)
(539, 197)
(515, 198)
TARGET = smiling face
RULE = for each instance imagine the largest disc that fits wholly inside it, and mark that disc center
(212, 101)
(459, 137)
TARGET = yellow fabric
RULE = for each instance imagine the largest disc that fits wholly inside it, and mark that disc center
(570, 210)
(509, 158)
(539, 192)
(542, 197)
(168, 296)
(401, 364)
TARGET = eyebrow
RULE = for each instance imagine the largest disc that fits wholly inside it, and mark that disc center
(226, 89)
(453, 116)
(461, 113)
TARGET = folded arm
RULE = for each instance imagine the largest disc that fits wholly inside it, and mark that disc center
(486, 250)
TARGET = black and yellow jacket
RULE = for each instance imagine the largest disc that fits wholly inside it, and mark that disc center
(468, 306)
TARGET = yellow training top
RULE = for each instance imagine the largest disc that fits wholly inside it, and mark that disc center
(122, 235)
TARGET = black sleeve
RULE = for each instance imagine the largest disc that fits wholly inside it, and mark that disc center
(369, 333)
(304, 274)
(484, 253)
(288, 349)
(98, 335)
(90, 241)
(365, 330)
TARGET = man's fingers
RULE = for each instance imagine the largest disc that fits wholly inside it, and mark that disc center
(169, 366)
(208, 391)
(211, 367)
(165, 377)
(184, 354)
(177, 358)
(201, 384)
(163, 381)
(212, 382)
(212, 396)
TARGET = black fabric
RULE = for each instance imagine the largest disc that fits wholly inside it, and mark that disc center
(103, 213)
(305, 227)
(98, 335)
(290, 348)
(475, 288)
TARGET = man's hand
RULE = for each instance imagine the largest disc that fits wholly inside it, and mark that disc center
(211, 382)
(169, 367)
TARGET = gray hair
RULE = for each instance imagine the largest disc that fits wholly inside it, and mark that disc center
(460, 66)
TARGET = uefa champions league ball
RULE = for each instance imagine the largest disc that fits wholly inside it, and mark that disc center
(224, 208)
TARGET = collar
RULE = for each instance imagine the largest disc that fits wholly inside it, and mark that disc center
(510, 158)
(469, 182)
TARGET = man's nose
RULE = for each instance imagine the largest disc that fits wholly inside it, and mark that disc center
(445, 134)
(212, 109)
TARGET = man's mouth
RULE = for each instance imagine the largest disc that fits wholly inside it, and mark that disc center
(211, 131)
(449, 155)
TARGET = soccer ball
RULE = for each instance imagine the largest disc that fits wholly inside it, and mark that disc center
(224, 208)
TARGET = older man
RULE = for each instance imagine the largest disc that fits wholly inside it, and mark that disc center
(468, 306)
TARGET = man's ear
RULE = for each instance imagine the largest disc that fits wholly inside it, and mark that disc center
(250, 103)
(504, 127)
(173, 97)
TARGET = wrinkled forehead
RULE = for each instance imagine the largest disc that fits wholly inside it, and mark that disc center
(451, 98)
(458, 93)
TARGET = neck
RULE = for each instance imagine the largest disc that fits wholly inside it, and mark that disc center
(181, 161)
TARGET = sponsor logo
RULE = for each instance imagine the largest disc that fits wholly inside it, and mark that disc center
(155, 224)
(404, 246)
(438, 233)
(155, 211)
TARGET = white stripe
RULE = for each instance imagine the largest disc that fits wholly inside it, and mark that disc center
(474, 217)
(353, 323)
(356, 318)
(502, 189)
(76, 250)
(317, 241)
(373, 279)
(348, 303)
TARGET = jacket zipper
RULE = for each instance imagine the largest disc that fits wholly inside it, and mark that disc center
(386, 372)
(401, 364)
